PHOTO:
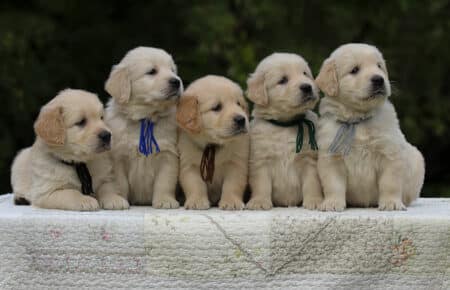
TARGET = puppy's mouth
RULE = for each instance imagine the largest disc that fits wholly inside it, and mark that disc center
(172, 93)
(308, 98)
(239, 131)
(375, 94)
(102, 147)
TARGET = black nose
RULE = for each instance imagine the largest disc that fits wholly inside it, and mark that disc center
(174, 83)
(377, 81)
(239, 120)
(306, 88)
(105, 137)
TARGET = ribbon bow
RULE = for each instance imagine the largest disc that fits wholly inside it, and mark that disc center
(147, 138)
(299, 121)
(207, 163)
(83, 175)
(342, 142)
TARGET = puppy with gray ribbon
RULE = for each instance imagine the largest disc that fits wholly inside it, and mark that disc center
(364, 158)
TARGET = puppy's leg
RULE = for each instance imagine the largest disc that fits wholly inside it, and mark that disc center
(414, 182)
(67, 199)
(166, 182)
(333, 176)
(311, 187)
(108, 191)
(390, 185)
(234, 182)
(194, 188)
(109, 199)
(261, 187)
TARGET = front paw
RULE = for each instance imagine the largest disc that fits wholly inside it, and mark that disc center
(113, 201)
(231, 204)
(332, 205)
(259, 204)
(312, 203)
(85, 203)
(197, 203)
(165, 202)
(391, 205)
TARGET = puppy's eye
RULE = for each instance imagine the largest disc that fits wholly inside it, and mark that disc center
(283, 80)
(81, 123)
(239, 103)
(379, 65)
(101, 118)
(305, 73)
(152, 72)
(354, 70)
(217, 107)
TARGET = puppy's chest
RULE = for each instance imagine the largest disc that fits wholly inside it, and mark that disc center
(276, 143)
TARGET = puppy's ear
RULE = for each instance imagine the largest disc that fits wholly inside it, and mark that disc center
(49, 126)
(256, 89)
(188, 114)
(327, 80)
(118, 84)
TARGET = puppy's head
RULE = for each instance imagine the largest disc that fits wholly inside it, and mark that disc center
(145, 78)
(72, 125)
(282, 86)
(356, 75)
(214, 108)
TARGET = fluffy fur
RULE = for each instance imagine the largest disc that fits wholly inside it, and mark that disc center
(144, 85)
(207, 114)
(39, 175)
(382, 168)
(278, 175)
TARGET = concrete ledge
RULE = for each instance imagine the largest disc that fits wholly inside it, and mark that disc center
(281, 248)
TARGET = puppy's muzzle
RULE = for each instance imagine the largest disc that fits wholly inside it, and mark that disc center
(378, 86)
(105, 140)
(239, 124)
(307, 93)
(174, 85)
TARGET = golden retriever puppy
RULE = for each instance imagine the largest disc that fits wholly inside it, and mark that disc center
(141, 113)
(364, 158)
(213, 144)
(65, 167)
(283, 150)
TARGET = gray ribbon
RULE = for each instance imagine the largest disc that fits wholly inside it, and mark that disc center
(342, 142)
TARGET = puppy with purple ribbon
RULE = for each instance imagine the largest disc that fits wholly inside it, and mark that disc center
(66, 167)
(364, 158)
(145, 88)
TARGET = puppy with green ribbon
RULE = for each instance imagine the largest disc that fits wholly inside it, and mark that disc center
(283, 147)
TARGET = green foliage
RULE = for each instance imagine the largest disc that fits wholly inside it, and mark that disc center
(46, 46)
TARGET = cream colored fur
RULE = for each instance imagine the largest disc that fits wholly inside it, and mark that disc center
(139, 92)
(382, 168)
(278, 175)
(38, 174)
(201, 126)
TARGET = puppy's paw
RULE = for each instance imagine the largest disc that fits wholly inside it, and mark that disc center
(259, 204)
(391, 205)
(86, 203)
(332, 205)
(312, 203)
(113, 201)
(197, 203)
(165, 202)
(231, 204)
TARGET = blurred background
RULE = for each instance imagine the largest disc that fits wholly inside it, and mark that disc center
(46, 46)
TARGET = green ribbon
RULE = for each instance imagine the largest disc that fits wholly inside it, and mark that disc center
(299, 121)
